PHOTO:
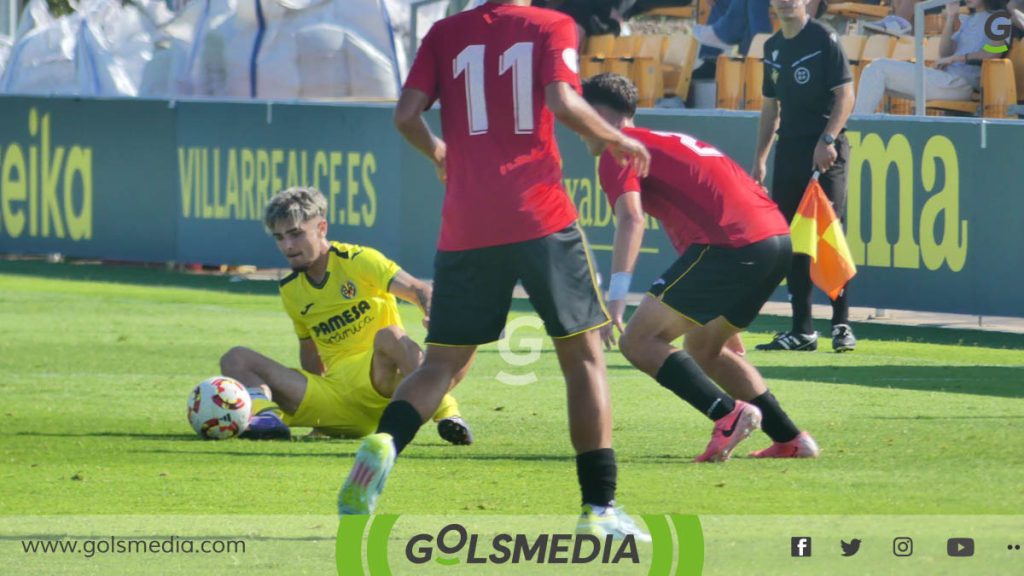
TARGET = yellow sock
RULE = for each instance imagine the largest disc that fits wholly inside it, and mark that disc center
(448, 408)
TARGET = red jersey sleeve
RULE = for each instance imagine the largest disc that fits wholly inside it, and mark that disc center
(616, 180)
(559, 60)
(425, 73)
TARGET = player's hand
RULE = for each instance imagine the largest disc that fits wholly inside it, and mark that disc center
(760, 172)
(440, 160)
(952, 9)
(616, 308)
(632, 152)
(824, 156)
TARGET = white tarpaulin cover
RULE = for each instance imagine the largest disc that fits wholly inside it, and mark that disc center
(277, 49)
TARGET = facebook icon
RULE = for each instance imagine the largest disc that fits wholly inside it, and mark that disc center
(800, 546)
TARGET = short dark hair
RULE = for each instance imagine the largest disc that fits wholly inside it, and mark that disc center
(612, 90)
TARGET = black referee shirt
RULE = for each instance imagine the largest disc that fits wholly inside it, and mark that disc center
(801, 73)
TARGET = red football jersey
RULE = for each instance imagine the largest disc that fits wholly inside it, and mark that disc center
(698, 193)
(489, 67)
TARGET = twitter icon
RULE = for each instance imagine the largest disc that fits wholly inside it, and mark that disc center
(850, 548)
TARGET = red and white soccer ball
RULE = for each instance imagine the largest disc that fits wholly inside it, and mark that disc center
(219, 408)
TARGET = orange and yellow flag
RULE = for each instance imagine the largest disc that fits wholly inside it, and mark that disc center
(817, 232)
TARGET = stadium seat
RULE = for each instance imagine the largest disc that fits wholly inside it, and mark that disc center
(998, 88)
(600, 45)
(728, 83)
(875, 47)
(1017, 57)
(931, 49)
(855, 10)
(853, 46)
(998, 92)
(704, 10)
(671, 12)
(753, 73)
(678, 63)
(903, 50)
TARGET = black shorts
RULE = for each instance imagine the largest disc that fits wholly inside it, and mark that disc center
(711, 281)
(473, 289)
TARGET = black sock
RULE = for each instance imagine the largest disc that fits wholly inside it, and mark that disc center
(682, 375)
(597, 472)
(402, 421)
(774, 421)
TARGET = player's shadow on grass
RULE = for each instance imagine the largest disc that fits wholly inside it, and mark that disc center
(1002, 381)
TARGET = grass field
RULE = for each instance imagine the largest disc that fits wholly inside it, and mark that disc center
(96, 363)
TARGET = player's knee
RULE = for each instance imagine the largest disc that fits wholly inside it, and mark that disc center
(234, 360)
(630, 345)
(701, 350)
(388, 335)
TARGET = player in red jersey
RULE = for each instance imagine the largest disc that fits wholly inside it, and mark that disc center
(503, 73)
(734, 250)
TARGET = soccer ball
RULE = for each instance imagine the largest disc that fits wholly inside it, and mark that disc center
(219, 408)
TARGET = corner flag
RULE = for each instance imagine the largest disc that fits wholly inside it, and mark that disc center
(816, 231)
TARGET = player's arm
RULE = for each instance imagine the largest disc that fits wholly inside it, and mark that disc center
(629, 236)
(309, 358)
(572, 110)
(766, 128)
(409, 121)
(412, 290)
(825, 154)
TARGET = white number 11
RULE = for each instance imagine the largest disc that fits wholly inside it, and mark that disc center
(519, 59)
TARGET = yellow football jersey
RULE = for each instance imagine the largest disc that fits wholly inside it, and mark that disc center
(343, 313)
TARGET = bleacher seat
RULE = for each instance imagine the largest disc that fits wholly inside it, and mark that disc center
(753, 73)
(998, 92)
(678, 63)
(1016, 56)
(728, 83)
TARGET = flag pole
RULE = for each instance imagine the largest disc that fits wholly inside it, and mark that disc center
(815, 175)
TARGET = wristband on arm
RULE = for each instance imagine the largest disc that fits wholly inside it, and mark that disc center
(619, 285)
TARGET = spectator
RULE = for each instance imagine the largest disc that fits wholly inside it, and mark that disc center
(899, 23)
(593, 17)
(956, 75)
(1016, 9)
(732, 22)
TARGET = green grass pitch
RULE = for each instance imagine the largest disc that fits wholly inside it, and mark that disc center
(96, 364)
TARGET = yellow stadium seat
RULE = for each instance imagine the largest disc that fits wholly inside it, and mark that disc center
(600, 45)
(1017, 57)
(678, 63)
(998, 91)
(728, 83)
(998, 88)
(903, 50)
(853, 46)
(855, 10)
(877, 46)
(753, 73)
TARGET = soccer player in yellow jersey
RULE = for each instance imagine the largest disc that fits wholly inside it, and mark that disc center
(353, 349)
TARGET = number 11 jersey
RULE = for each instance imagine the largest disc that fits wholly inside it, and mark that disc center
(489, 67)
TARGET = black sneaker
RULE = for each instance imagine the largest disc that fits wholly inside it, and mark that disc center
(791, 341)
(455, 430)
(842, 338)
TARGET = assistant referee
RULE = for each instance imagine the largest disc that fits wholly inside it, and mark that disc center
(807, 82)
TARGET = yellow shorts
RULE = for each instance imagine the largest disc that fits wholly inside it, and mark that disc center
(342, 402)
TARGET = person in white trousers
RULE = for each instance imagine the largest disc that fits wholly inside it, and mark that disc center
(954, 77)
